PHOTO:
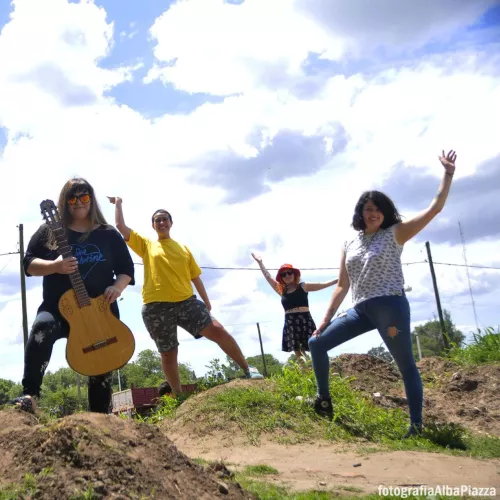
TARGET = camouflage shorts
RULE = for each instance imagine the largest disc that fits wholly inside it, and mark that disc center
(163, 318)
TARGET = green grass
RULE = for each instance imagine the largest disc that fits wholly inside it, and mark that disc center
(27, 489)
(165, 410)
(272, 410)
(484, 349)
(260, 470)
(88, 494)
(265, 491)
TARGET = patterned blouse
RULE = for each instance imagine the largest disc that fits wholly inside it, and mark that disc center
(373, 265)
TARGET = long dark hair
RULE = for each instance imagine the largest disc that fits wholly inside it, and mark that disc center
(71, 188)
(383, 203)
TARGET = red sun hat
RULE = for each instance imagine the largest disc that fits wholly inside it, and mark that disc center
(290, 268)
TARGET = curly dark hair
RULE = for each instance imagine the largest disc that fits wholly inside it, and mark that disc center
(383, 203)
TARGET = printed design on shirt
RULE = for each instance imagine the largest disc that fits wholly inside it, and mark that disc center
(88, 256)
(374, 265)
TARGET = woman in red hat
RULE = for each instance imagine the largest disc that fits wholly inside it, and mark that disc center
(299, 324)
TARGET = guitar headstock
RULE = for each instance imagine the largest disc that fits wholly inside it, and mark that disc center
(51, 214)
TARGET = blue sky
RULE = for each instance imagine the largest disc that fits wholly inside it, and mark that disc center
(155, 99)
(258, 127)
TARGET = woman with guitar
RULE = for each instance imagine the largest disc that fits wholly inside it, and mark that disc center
(103, 262)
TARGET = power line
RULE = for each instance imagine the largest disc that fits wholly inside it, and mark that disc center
(276, 268)
(451, 264)
(468, 265)
(8, 253)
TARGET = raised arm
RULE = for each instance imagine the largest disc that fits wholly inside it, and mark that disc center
(404, 231)
(313, 287)
(119, 219)
(338, 295)
(265, 272)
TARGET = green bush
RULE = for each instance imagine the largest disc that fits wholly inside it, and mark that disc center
(483, 349)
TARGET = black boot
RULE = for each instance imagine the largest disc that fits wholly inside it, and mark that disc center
(415, 430)
(323, 407)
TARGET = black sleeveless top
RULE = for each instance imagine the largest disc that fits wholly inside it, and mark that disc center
(297, 298)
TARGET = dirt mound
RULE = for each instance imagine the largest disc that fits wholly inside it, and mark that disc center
(370, 373)
(468, 396)
(115, 458)
(200, 416)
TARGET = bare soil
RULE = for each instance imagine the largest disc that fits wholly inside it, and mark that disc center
(467, 396)
(330, 466)
(118, 459)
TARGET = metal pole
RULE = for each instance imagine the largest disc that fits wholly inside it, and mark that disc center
(436, 293)
(23, 284)
(262, 351)
(119, 381)
(418, 347)
(78, 387)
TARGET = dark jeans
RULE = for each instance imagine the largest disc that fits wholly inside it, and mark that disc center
(390, 315)
(45, 331)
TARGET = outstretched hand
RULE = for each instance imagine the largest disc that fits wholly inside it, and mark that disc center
(448, 161)
(258, 258)
(114, 200)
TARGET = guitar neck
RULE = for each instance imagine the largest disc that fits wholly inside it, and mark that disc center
(76, 279)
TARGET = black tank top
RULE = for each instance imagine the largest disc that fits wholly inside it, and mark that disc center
(297, 298)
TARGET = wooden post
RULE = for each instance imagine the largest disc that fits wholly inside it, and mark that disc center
(23, 285)
(262, 351)
(436, 294)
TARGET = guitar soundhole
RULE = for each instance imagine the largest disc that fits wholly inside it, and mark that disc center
(103, 306)
(67, 310)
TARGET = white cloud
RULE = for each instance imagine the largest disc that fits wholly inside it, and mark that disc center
(221, 48)
(393, 25)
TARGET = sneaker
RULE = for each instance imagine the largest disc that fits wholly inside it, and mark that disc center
(323, 407)
(164, 388)
(415, 430)
(24, 403)
(253, 373)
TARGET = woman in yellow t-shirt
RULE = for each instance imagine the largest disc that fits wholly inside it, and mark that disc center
(169, 302)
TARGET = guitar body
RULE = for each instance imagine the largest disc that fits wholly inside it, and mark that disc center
(98, 341)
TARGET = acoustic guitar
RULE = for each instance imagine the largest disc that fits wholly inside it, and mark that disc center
(98, 341)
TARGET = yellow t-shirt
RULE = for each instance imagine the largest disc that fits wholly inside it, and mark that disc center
(169, 268)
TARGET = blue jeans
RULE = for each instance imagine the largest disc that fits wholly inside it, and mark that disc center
(390, 315)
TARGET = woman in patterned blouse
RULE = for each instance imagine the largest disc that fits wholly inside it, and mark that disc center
(371, 266)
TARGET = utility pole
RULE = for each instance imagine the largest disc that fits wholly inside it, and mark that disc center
(468, 275)
(262, 351)
(23, 284)
(436, 293)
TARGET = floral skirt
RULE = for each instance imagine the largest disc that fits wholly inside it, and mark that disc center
(296, 331)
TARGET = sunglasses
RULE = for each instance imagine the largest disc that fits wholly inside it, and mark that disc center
(84, 198)
(287, 273)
